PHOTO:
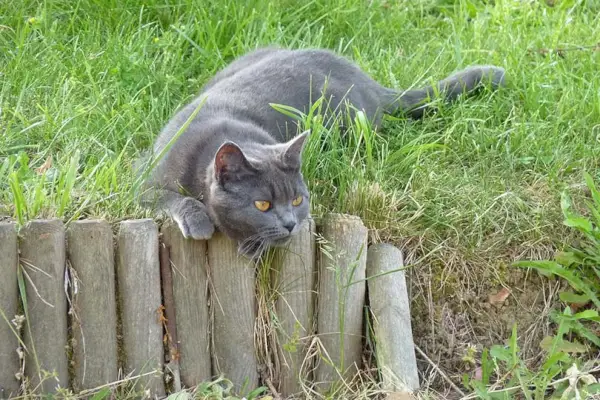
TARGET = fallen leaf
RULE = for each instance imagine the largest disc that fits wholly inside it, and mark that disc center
(500, 297)
(45, 166)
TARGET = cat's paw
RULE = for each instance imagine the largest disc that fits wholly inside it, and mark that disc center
(192, 219)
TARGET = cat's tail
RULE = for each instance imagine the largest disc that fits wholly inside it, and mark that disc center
(417, 102)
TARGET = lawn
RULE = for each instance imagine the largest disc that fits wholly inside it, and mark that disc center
(86, 86)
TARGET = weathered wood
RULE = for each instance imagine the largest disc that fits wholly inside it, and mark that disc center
(390, 309)
(234, 309)
(94, 321)
(170, 338)
(295, 284)
(9, 297)
(43, 263)
(138, 282)
(342, 262)
(190, 292)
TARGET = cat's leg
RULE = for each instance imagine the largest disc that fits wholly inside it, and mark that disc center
(416, 102)
(190, 214)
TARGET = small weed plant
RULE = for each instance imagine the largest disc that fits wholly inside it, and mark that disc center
(567, 371)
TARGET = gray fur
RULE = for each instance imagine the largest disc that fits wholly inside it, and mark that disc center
(239, 149)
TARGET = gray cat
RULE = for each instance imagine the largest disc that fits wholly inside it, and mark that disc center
(237, 165)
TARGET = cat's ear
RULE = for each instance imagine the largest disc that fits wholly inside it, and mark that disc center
(292, 155)
(231, 163)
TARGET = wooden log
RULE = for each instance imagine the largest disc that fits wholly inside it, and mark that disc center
(342, 286)
(43, 263)
(170, 337)
(94, 320)
(390, 309)
(9, 298)
(138, 283)
(295, 283)
(234, 309)
(190, 292)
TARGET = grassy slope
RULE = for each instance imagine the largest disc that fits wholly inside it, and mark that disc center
(90, 83)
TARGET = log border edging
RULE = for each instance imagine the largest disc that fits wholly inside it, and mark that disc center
(347, 236)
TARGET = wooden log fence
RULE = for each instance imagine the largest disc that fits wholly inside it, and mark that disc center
(43, 265)
(234, 312)
(9, 298)
(146, 302)
(342, 285)
(94, 314)
(190, 292)
(295, 278)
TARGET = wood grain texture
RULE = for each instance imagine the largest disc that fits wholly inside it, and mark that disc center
(190, 291)
(390, 309)
(43, 262)
(234, 310)
(94, 322)
(9, 299)
(341, 297)
(170, 326)
(294, 281)
(138, 277)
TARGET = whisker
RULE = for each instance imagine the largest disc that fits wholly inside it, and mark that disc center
(255, 244)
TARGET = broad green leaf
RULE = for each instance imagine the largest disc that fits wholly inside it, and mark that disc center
(551, 365)
(514, 347)
(582, 331)
(563, 346)
(595, 193)
(572, 298)
(486, 367)
(256, 392)
(565, 203)
(555, 268)
(587, 314)
(500, 353)
(103, 394)
(594, 388)
(567, 258)
(546, 343)
(580, 223)
(480, 388)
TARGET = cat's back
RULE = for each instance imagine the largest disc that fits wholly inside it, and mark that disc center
(270, 62)
(295, 78)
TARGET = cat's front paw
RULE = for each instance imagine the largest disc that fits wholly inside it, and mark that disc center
(192, 219)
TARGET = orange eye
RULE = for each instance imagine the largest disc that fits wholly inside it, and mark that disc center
(297, 201)
(263, 205)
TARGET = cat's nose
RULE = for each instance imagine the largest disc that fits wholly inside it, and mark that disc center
(290, 226)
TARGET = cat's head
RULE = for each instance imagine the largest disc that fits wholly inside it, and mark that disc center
(257, 195)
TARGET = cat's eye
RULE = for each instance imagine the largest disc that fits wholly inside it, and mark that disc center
(263, 205)
(297, 201)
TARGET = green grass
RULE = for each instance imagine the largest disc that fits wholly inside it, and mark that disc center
(90, 83)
